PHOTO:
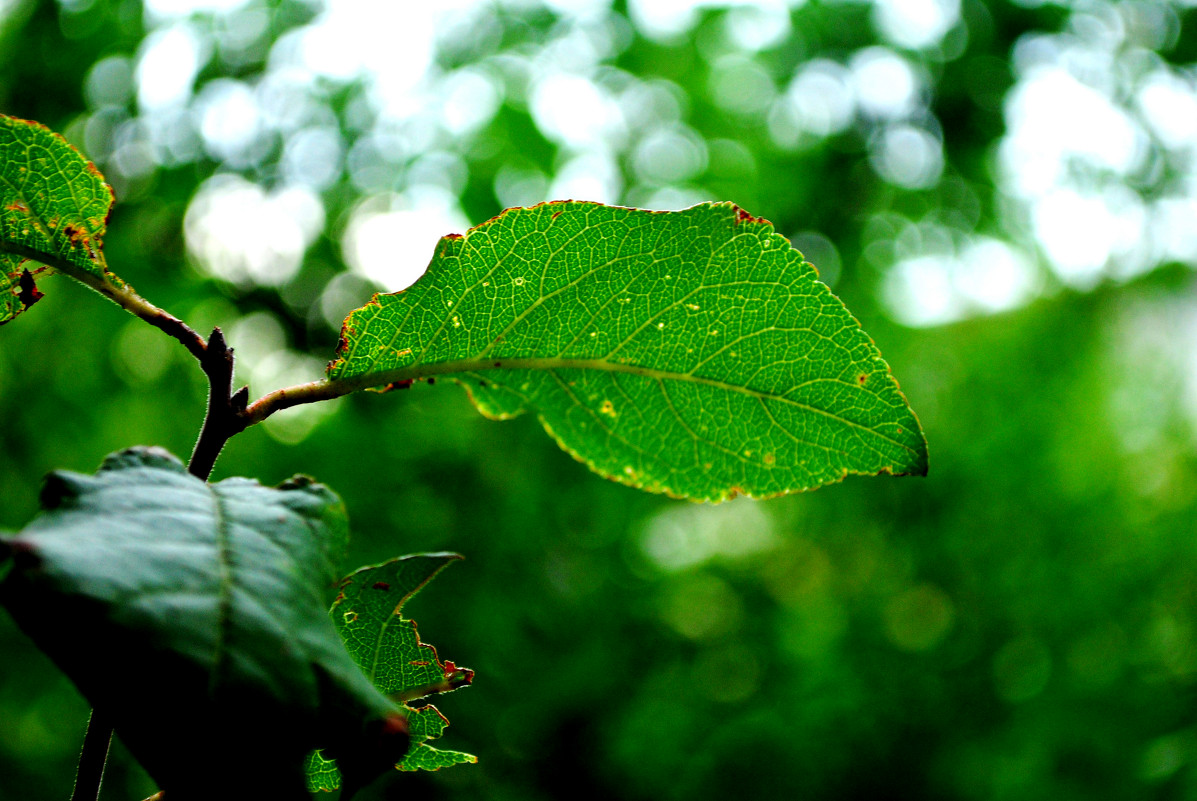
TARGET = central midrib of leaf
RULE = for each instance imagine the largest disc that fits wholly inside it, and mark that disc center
(394, 617)
(475, 365)
(224, 601)
(374, 657)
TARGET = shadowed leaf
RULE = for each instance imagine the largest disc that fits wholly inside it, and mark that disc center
(193, 615)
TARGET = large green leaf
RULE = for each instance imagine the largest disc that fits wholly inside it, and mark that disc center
(194, 616)
(54, 207)
(387, 647)
(691, 352)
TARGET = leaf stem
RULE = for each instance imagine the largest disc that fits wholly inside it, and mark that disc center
(93, 757)
(285, 398)
(121, 294)
(223, 419)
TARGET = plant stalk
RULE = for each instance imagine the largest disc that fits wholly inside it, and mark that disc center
(121, 294)
(225, 416)
(224, 419)
(93, 758)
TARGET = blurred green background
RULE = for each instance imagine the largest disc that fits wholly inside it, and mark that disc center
(1004, 193)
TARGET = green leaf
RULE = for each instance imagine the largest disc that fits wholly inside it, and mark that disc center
(425, 757)
(387, 647)
(194, 616)
(691, 352)
(54, 207)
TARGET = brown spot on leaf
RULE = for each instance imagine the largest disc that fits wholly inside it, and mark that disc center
(498, 364)
(343, 341)
(743, 216)
(404, 384)
(452, 236)
(457, 677)
(860, 379)
(556, 214)
(381, 585)
(17, 205)
(77, 235)
(431, 380)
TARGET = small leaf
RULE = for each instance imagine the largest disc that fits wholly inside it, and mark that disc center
(323, 775)
(383, 643)
(691, 352)
(425, 757)
(54, 207)
(194, 616)
(387, 647)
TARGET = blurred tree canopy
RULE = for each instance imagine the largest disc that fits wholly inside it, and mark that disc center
(1005, 194)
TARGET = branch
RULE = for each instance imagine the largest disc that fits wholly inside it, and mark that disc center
(93, 757)
(311, 392)
(122, 295)
(327, 389)
(226, 409)
(223, 420)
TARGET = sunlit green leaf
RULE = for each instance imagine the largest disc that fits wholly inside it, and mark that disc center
(54, 207)
(193, 615)
(691, 352)
(387, 647)
(424, 757)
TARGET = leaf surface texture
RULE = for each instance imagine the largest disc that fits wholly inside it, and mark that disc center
(691, 352)
(54, 207)
(387, 647)
(194, 615)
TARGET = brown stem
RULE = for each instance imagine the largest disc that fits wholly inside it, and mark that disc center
(226, 408)
(223, 420)
(225, 417)
(121, 294)
(93, 757)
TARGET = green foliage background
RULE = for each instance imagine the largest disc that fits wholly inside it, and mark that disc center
(1020, 624)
